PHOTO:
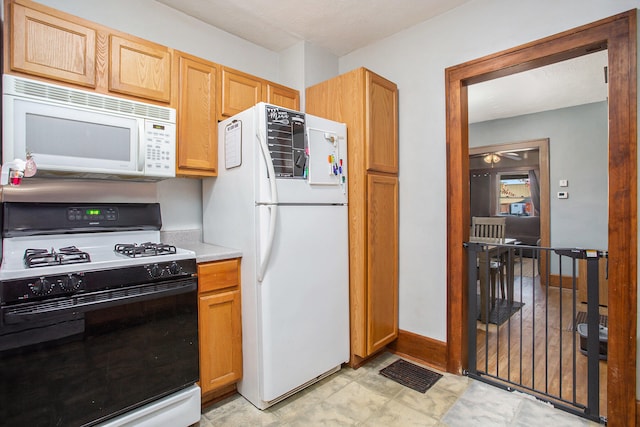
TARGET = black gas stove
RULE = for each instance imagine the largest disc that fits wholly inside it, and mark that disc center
(95, 307)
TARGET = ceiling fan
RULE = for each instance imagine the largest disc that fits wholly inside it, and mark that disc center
(493, 158)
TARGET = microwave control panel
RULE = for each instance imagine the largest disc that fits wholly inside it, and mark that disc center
(160, 149)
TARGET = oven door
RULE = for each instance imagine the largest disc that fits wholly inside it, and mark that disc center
(77, 362)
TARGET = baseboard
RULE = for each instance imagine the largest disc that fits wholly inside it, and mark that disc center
(421, 349)
(217, 395)
(567, 281)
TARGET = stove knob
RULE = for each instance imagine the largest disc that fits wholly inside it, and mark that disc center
(155, 270)
(71, 283)
(175, 268)
(41, 286)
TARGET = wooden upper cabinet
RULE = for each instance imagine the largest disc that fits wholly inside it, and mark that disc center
(382, 124)
(239, 91)
(50, 46)
(283, 96)
(382, 261)
(197, 124)
(139, 68)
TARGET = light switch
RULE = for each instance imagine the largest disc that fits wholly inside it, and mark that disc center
(563, 195)
(563, 183)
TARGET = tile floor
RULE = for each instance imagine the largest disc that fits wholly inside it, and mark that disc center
(363, 397)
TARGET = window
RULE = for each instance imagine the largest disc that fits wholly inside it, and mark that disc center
(514, 194)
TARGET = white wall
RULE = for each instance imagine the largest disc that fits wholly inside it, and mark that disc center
(319, 66)
(415, 59)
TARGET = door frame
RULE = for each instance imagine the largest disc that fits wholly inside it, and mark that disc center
(618, 35)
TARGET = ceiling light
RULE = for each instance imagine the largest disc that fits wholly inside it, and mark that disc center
(491, 158)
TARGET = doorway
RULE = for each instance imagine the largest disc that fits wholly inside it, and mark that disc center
(618, 35)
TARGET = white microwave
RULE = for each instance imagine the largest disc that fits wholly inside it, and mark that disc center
(75, 133)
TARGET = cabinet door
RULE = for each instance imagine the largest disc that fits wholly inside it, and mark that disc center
(382, 124)
(283, 96)
(220, 340)
(52, 47)
(197, 118)
(239, 92)
(382, 261)
(139, 68)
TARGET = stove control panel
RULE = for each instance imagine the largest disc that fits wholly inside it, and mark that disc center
(92, 214)
(50, 286)
(53, 285)
(166, 269)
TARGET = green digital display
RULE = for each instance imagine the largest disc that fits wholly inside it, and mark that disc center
(92, 212)
(160, 127)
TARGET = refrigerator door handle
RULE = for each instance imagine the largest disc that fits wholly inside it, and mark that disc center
(273, 207)
(273, 211)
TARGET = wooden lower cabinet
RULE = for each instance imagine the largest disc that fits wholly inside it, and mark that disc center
(220, 325)
(382, 261)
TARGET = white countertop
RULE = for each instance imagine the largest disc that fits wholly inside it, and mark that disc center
(206, 252)
(192, 240)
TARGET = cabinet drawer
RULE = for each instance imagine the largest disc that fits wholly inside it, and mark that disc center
(218, 275)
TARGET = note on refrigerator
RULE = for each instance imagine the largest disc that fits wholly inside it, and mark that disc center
(233, 144)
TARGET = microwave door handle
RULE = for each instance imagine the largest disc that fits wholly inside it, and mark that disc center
(142, 145)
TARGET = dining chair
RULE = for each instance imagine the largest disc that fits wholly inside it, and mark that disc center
(491, 230)
(488, 229)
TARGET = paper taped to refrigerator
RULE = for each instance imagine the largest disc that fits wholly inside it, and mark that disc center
(233, 144)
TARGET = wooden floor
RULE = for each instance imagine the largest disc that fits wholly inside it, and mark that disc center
(537, 347)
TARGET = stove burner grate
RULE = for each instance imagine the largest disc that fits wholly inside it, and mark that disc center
(134, 250)
(43, 257)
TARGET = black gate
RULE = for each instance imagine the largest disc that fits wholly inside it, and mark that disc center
(535, 331)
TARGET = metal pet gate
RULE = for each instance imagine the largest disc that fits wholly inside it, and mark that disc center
(532, 330)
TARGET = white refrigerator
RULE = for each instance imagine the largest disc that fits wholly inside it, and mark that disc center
(281, 197)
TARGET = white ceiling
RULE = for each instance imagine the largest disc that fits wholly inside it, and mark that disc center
(341, 26)
(565, 84)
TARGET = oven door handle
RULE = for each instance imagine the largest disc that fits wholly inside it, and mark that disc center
(83, 303)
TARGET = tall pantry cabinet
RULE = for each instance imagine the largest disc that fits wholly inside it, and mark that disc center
(368, 104)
